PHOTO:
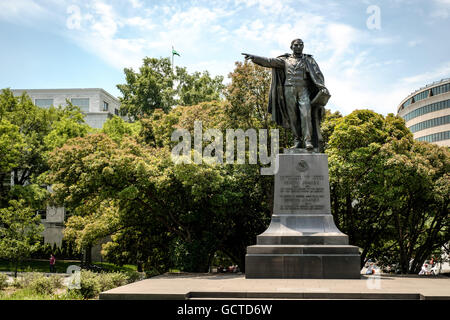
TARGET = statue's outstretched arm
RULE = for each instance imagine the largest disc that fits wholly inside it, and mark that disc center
(265, 62)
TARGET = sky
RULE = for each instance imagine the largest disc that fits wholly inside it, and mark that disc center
(372, 53)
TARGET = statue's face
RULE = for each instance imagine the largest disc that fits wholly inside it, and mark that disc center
(297, 46)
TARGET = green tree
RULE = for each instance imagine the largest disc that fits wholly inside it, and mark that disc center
(116, 128)
(35, 131)
(34, 124)
(20, 232)
(69, 123)
(27, 134)
(148, 89)
(417, 175)
(328, 125)
(248, 95)
(383, 188)
(12, 146)
(198, 87)
(157, 86)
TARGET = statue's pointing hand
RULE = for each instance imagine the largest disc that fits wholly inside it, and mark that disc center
(248, 56)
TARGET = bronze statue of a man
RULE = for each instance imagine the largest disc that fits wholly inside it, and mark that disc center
(297, 94)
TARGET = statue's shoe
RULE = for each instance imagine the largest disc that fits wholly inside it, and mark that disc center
(297, 144)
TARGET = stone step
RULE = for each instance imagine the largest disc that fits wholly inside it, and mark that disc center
(302, 266)
(303, 295)
(302, 249)
(284, 239)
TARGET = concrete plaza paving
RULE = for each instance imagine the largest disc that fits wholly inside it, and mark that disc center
(235, 286)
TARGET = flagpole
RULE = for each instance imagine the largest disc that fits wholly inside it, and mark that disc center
(173, 65)
(173, 58)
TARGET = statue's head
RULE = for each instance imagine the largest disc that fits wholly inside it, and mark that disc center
(297, 45)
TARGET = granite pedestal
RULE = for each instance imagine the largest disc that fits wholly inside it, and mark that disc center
(302, 240)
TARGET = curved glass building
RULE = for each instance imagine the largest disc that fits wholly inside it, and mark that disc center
(427, 113)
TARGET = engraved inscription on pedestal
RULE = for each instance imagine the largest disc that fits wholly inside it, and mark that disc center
(302, 187)
(302, 193)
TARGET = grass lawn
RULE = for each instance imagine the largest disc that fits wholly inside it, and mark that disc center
(60, 266)
(112, 267)
(28, 294)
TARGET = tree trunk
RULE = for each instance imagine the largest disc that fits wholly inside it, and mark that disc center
(351, 227)
(403, 256)
(87, 256)
(16, 267)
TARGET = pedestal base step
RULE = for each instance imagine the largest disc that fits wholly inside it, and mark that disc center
(315, 239)
(302, 262)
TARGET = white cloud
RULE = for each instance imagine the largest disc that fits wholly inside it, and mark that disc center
(143, 23)
(24, 12)
(136, 3)
(443, 2)
(441, 9)
(414, 43)
(267, 6)
(430, 76)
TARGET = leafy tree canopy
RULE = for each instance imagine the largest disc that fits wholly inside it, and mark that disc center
(386, 188)
(27, 134)
(157, 86)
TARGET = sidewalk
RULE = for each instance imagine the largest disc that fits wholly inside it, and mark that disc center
(224, 286)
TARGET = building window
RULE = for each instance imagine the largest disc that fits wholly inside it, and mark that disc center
(440, 89)
(407, 102)
(43, 103)
(427, 109)
(82, 103)
(430, 123)
(435, 137)
(421, 96)
(105, 106)
(116, 112)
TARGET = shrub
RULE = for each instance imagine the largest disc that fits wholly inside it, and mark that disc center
(57, 282)
(90, 285)
(16, 283)
(72, 294)
(42, 285)
(25, 280)
(3, 281)
(38, 282)
(112, 280)
(152, 273)
(134, 276)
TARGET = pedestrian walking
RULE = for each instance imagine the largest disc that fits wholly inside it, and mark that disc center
(52, 263)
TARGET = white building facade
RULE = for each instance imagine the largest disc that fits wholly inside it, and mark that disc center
(97, 104)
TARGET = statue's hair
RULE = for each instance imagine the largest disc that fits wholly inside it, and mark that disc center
(292, 42)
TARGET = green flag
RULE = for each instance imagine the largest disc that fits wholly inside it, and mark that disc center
(174, 52)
